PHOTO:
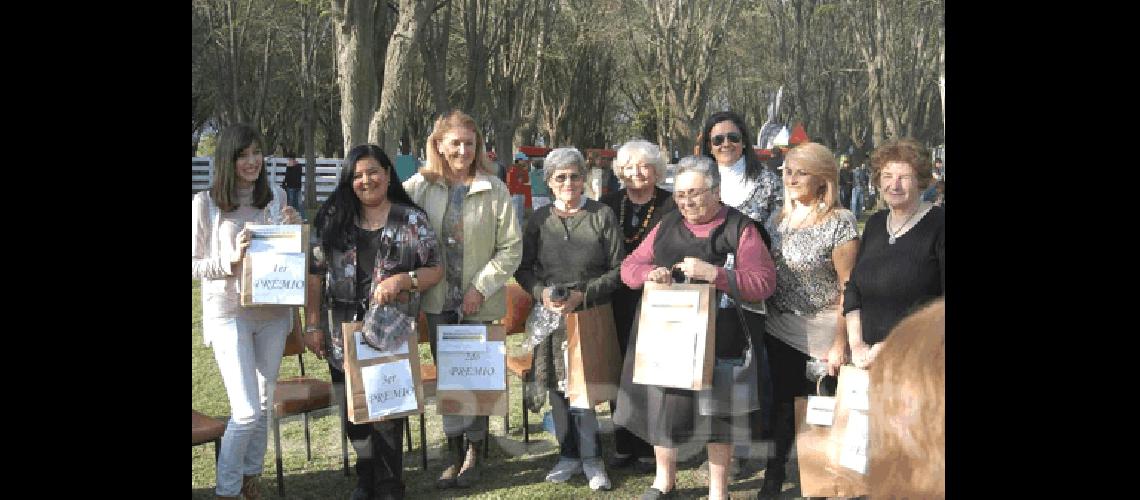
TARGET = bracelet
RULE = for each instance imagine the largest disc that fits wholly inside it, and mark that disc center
(312, 328)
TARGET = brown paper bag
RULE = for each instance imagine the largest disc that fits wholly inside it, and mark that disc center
(475, 402)
(676, 339)
(354, 385)
(594, 357)
(819, 447)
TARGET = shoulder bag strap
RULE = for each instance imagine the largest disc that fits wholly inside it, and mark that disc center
(735, 294)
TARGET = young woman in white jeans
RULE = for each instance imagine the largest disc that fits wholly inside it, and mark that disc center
(247, 342)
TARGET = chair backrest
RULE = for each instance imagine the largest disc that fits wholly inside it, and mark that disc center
(422, 328)
(519, 303)
(295, 343)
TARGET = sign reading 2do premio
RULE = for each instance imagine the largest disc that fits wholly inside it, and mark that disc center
(472, 362)
(468, 361)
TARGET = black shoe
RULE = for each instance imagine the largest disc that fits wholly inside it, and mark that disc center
(360, 494)
(652, 493)
(747, 467)
(773, 484)
(645, 466)
(620, 462)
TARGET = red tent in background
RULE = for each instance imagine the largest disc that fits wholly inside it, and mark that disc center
(797, 136)
(534, 151)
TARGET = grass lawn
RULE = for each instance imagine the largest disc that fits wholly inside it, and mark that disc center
(514, 470)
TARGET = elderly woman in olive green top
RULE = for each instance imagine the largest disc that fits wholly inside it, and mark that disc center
(574, 242)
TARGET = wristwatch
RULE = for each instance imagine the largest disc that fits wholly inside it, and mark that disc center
(415, 281)
(314, 327)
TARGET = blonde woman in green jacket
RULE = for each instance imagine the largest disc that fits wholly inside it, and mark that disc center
(481, 245)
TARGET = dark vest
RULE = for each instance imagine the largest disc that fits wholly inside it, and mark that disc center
(674, 242)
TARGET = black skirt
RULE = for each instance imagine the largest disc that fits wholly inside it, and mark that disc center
(669, 417)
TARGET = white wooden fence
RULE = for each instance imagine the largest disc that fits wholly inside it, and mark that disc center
(327, 171)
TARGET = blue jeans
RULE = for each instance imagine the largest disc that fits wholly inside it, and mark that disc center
(857, 201)
(575, 428)
(248, 353)
(293, 196)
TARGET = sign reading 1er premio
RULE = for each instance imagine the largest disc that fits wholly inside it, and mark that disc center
(274, 269)
(468, 361)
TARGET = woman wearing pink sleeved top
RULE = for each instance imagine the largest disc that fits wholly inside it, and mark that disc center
(698, 240)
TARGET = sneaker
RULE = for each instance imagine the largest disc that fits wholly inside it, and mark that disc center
(596, 474)
(564, 470)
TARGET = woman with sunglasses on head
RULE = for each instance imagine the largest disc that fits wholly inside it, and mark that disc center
(814, 241)
(574, 243)
(247, 342)
(757, 192)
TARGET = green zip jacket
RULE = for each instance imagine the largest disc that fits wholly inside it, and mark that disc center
(492, 246)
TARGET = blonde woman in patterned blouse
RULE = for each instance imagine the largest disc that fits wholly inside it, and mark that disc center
(814, 243)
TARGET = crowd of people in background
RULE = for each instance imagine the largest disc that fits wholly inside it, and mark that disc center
(799, 283)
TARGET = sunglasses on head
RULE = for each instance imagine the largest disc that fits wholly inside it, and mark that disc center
(733, 137)
(562, 177)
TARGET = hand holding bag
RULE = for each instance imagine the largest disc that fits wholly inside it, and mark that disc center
(734, 390)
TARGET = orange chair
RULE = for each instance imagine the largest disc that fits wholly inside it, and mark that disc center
(302, 395)
(207, 429)
(519, 304)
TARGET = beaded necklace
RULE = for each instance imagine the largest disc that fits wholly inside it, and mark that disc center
(644, 223)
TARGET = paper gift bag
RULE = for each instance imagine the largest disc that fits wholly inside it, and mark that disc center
(275, 266)
(676, 336)
(833, 458)
(465, 377)
(593, 357)
(380, 385)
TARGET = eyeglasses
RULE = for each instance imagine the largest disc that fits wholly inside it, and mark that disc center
(693, 194)
(733, 137)
(560, 178)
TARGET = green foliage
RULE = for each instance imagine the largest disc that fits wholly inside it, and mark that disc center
(206, 145)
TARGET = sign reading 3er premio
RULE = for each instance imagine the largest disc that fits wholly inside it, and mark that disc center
(274, 268)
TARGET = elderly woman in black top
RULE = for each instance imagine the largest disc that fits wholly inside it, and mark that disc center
(697, 240)
(371, 246)
(640, 206)
(574, 242)
(902, 258)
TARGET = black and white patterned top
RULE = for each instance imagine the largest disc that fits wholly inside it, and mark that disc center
(806, 280)
(766, 198)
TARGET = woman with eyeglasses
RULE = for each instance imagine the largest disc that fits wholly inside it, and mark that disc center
(696, 241)
(372, 247)
(757, 192)
(639, 206)
(247, 342)
(480, 246)
(574, 243)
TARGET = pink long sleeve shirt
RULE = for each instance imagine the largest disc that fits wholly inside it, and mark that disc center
(755, 271)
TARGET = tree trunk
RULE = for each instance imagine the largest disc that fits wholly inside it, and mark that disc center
(384, 129)
(354, 22)
(434, 39)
